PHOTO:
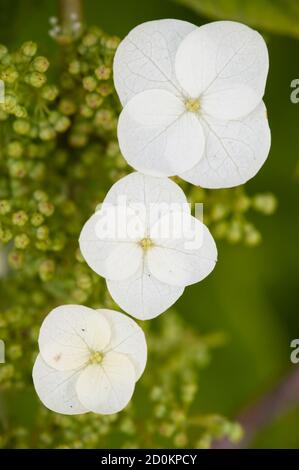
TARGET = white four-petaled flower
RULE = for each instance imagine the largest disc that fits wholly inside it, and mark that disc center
(89, 360)
(192, 101)
(166, 249)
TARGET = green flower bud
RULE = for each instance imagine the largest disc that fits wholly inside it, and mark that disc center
(5, 235)
(104, 89)
(181, 440)
(42, 233)
(46, 208)
(112, 42)
(29, 48)
(40, 195)
(67, 107)
(77, 140)
(85, 111)
(93, 100)
(204, 442)
(102, 72)
(37, 219)
(74, 67)
(21, 126)
(19, 218)
(265, 203)
(89, 40)
(9, 74)
(47, 133)
(62, 124)
(89, 83)
(15, 149)
(40, 64)
(49, 92)
(22, 241)
(20, 111)
(36, 79)
(18, 169)
(252, 236)
(10, 103)
(16, 259)
(46, 269)
(5, 207)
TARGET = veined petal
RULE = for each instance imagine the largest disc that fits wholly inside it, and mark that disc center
(184, 251)
(108, 242)
(69, 333)
(235, 151)
(127, 338)
(157, 136)
(145, 58)
(143, 296)
(108, 387)
(56, 389)
(156, 195)
(225, 63)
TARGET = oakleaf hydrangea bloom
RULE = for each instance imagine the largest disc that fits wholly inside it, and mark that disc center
(192, 100)
(89, 360)
(152, 248)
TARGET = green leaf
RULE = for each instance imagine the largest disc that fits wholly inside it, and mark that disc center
(279, 16)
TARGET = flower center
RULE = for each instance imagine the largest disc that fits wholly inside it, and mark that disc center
(146, 243)
(192, 105)
(96, 357)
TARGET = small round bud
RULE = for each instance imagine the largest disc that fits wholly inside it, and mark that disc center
(46, 269)
(62, 124)
(102, 72)
(3, 51)
(36, 79)
(40, 64)
(16, 259)
(67, 107)
(9, 74)
(40, 195)
(47, 133)
(5, 207)
(89, 40)
(265, 203)
(74, 67)
(112, 42)
(93, 100)
(42, 233)
(29, 48)
(21, 126)
(5, 235)
(37, 219)
(46, 208)
(15, 149)
(19, 218)
(20, 111)
(89, 83)
(18, 169)
(22, 241)
(49, 92)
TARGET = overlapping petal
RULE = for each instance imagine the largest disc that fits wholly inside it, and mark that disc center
(127, 338)
(184, 251)
(107, 388)
(108, 242)
(144, 60)
(57, 389)
(235, 151)
(68, 334)
(226, 63)
(143, 296)
(157, 136)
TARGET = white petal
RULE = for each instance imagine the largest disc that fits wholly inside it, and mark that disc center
(68, 334)
(182, 257)
(143, 296)
(235, 151)
(226, 63)
(56, 389)
(127, 338)
(157, 195)
(107, 388)
(144, 60)
(157, 136)
(113, 255)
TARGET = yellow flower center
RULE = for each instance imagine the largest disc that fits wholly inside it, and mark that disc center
(96, 357)
(192, 105)
(146, 243)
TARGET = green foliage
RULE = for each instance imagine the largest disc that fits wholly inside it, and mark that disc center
(278, 16)
(58, 157)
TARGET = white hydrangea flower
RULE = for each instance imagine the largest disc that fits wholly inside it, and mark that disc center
(147, 268)
(89, 360)
(192, 101)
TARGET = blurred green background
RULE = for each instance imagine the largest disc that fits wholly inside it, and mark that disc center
(253, 293)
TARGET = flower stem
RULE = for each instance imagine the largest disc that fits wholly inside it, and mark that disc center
(68, 10)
